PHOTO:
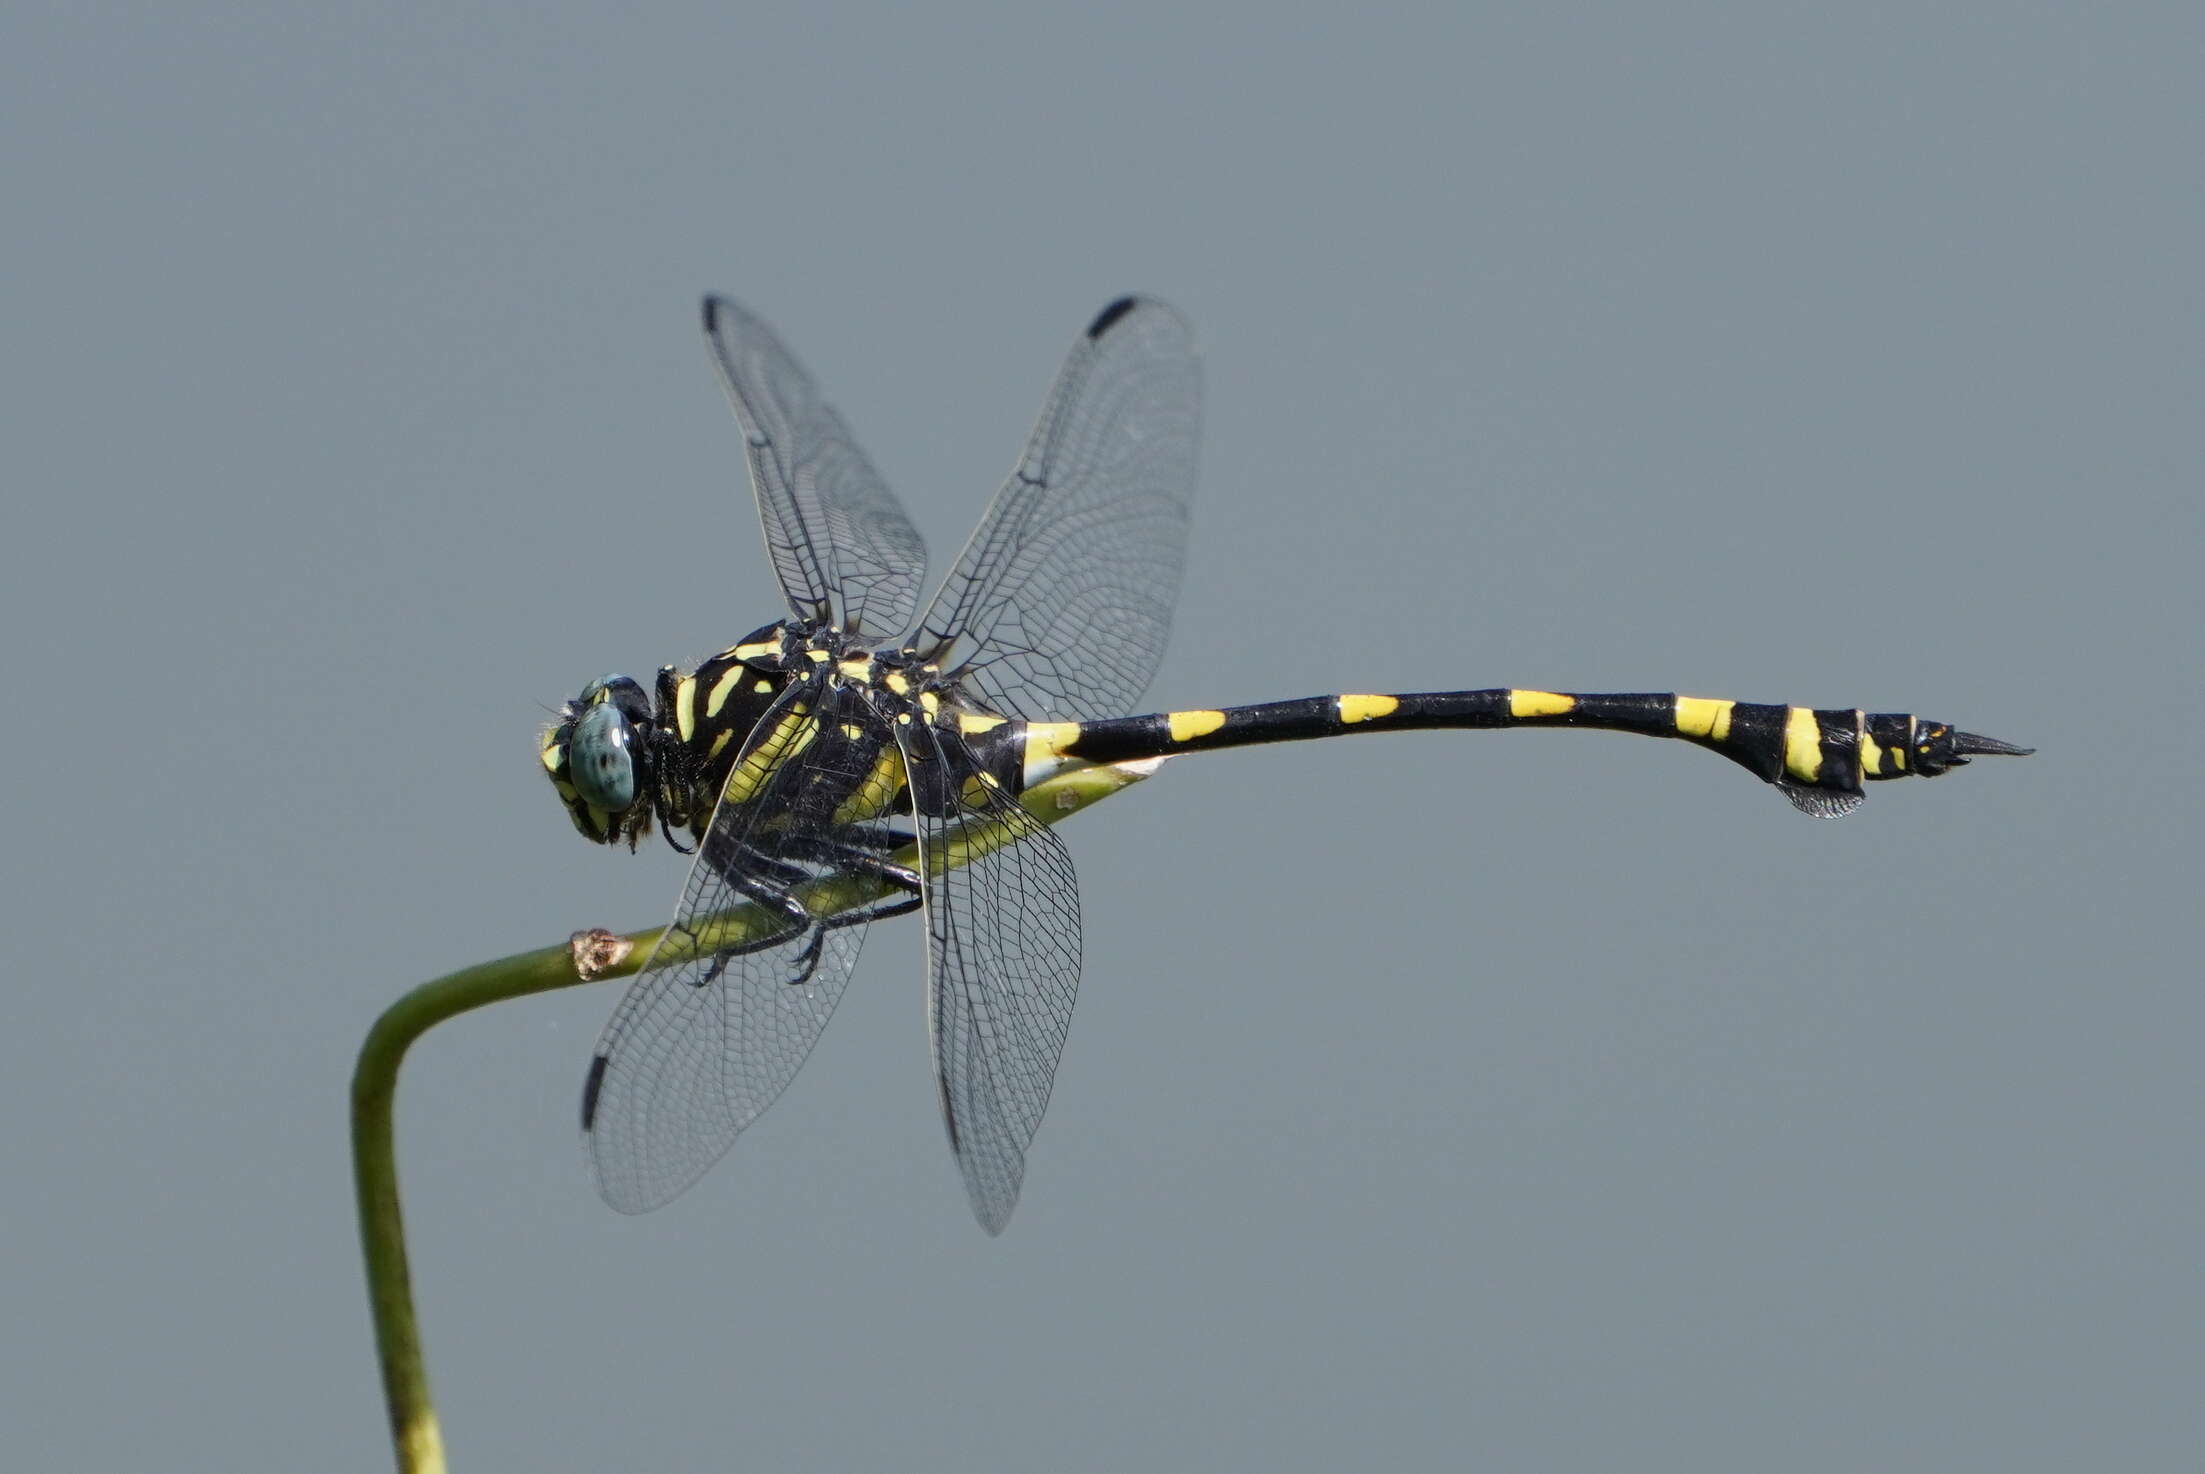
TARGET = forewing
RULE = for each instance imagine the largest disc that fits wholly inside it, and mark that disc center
(1061, 603)
(1003, 970)
(703, 1043)
(841, 545)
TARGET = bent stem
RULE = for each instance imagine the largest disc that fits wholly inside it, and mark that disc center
(588, 957)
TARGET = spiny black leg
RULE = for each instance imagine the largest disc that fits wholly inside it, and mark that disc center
(878, 839)
(735, 858)
(725, 955)
(849, 859)
(808, 962)
(792, 911)
(901, 876)
(878, 911)
(768, 881)
(763, 892)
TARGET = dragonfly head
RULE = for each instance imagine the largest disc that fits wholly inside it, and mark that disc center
(602, 756)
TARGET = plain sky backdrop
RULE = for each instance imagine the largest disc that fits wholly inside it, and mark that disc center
(1527, 1101)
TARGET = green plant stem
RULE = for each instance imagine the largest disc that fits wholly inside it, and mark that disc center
(415, 1436)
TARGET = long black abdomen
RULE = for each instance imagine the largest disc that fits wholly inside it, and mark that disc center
(1818, 757)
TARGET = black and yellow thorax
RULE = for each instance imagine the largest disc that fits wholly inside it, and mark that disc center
(826, 726)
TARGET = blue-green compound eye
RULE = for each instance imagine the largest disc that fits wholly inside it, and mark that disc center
(598, 761)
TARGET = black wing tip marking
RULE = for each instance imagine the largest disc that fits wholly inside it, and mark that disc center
(1110, 316)
(718, 313)
(591, 1087)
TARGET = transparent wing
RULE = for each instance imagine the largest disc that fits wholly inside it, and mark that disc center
(1061, 603)
(704, 1041)
(1003, 969)
(841, 545)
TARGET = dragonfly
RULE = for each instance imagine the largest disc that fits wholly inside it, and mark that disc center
(861, 730)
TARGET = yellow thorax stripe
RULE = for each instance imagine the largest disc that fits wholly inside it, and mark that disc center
(685, 710)
(723, 688)
(790, 735)
(871, 798)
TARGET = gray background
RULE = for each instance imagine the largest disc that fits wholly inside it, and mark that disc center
(1525, 1101)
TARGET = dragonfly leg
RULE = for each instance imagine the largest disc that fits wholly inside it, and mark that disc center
(764, 881)
(807, 962)
(877, 839)
(769, 881)
(852, 860)
(853, 855)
